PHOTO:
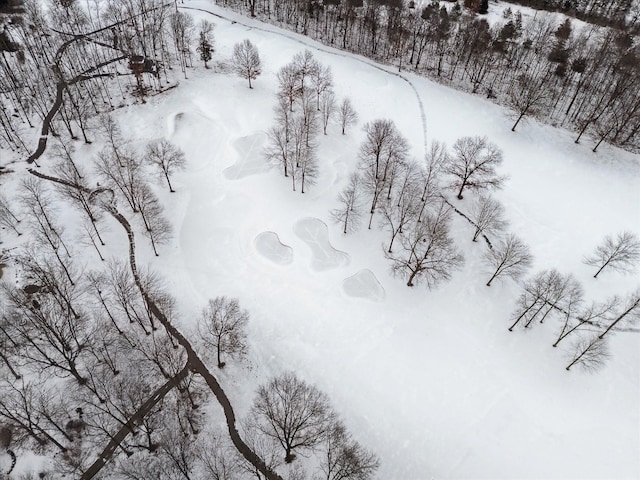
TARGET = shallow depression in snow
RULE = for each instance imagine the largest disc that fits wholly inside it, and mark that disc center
(363, 284)
(250, 160)
(314, 233)
(269, 246)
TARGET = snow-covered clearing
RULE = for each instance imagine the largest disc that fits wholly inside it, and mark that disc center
(432, 381)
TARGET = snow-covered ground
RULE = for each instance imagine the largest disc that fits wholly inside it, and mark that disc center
(432, 381)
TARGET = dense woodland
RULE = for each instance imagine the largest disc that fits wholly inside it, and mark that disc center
(94, 374)
(583, 78)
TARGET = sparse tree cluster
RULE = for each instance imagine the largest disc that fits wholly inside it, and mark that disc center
(305, 103)
(246, 60)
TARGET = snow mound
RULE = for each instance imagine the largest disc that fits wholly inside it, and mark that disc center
(363, 284)
(269, 246)
(250, 160)
(314, 232)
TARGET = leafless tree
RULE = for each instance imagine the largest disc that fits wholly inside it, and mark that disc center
(528, 96)
(435, 162)
(488, 216)
(473, 164)
(156, 227)
(293, 413)
(630, 311)
(382, 154)
(224, 326)
(55, 338)
(590, 353)
(288, 84)
(344, 459)
(592, 316)
(278, 148)
(401, 210)
(39, 205)
(428, 253)
(25, 406)
(7, 218)
(75, 190)
(9, 345)
(119, 171)
(322, 81)
(246, 61)
(166, 157)
(510, 257)
(306, 67)
(217, 460)
(620, 254)
(327, 107)
(350, 210)
(348, 116)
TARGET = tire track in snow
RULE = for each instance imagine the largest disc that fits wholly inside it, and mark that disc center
(331, 51)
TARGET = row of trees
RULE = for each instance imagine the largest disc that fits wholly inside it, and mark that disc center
(585, 80)
(409, 201)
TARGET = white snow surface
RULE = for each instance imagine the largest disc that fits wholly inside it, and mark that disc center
(431, 381)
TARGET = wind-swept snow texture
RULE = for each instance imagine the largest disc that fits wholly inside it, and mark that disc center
(432, 381)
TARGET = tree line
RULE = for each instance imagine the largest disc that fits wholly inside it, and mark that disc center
(582, 79)
(409, 200)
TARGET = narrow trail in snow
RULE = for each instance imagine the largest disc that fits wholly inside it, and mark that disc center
(195, 363)
(331, 51)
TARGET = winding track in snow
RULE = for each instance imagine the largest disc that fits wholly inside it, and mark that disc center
(331, 51)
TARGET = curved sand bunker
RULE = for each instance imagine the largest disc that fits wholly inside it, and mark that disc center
(268, 245)
(363, 284)
(250, 161)
(314, 232)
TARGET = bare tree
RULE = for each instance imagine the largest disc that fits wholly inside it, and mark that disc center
(7, 218)
(620, 254)
(327, 107)
(293, 413)
(592, 316)
(322, 81)
(306, 67)
(156, 227)
(382, 154)
(473, 164)
(428, 253)
(119, 171)
(165, 156)
(246, 61)
(216, 459)
(528, 96)
(278, 149)
(224, 326)
(344, 458)
(288, 84)
(348, 116)
(435, 162)
(402, 210)
(350, 210)
(488, 216)
(590, 353)
(511, 257)
(630, 312)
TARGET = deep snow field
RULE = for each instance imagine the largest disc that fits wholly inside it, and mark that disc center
(431, 381)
